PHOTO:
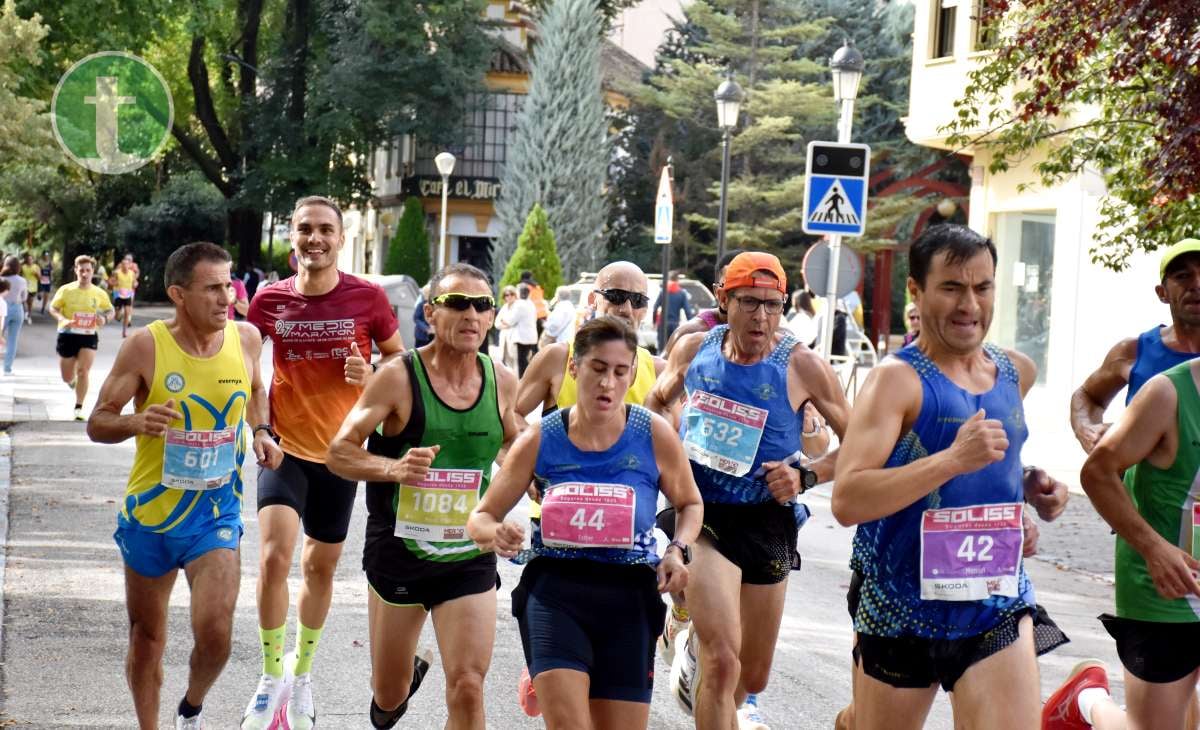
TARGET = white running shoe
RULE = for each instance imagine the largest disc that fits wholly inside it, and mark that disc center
(298, 712)
(749, 717)
(685, 672)
(264, 704)
(666, 642)
(189, 723)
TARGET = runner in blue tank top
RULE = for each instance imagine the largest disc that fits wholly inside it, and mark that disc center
(588, 603)
(745, 383)
(930, 472)
(1135, 360)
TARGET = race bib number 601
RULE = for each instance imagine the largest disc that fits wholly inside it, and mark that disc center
(199, 459)
(970, 553)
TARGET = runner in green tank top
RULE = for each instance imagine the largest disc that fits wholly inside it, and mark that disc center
(1157, 626)
(436, 420)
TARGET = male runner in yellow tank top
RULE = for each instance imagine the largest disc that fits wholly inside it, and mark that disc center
(195, 382)
(124, 281)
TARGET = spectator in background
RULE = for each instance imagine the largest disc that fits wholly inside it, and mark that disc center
(422, 334)
(252, 279)
(675, 304)
(29, 270)
(522, 320)
(537, 296)
(803, 320)
(15, 299)
(560, 325)
(241, 300)
(912, 322)
(508, 348)
(45, 277)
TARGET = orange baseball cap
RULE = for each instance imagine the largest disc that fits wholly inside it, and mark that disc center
(742, 270)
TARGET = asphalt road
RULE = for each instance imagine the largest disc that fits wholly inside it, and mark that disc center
(65, 626)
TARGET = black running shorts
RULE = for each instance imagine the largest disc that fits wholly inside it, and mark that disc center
(1153, 651)
(323, 500)
(69, 344)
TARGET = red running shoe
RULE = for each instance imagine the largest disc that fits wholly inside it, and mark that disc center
(1061, 711)
(526, 696)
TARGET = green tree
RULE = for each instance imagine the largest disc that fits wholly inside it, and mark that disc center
(1109, 86)
(536, 252)
(408, 252)
(564, 109)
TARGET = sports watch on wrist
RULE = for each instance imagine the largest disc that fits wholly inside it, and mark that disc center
(808, 478)
(265, 427)
(685, 550)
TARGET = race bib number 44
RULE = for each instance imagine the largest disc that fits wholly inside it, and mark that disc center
(83, 323)
(199, 459)
(722, 434)
(970, 553)
(581, 515)
(436, 509)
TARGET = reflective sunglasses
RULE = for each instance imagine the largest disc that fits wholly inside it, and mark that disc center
(459, 302)
(751, 304)
(617, 297)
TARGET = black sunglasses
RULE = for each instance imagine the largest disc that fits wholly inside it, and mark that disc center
(617, 297)
(460, 302)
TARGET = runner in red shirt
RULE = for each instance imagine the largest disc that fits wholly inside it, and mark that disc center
(321, 323)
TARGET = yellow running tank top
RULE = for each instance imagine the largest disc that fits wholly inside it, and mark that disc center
(643, 380)
(180, 483)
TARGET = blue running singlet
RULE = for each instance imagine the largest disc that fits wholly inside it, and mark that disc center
(960, 545)
(597, 505)
(737, 417)
(1153, 357)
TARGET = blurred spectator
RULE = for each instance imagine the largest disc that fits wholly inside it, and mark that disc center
(677, 307)
(912, 322)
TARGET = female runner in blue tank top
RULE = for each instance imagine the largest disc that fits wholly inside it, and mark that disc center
(588, 603)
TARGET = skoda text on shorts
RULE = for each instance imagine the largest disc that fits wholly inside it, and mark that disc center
(194, 381)
(747, 548)
(588, 604)
(112, 112)
(434, 422)
(936, 602)
(321, 322)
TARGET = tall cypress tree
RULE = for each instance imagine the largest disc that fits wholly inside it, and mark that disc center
(536, 252)
(560, 150)
(408, 252)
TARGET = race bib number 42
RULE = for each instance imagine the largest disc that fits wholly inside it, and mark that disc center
(722, 434)
(199, 459)
(581, 515)
(436, 508)
(83, 323)
(970, 553)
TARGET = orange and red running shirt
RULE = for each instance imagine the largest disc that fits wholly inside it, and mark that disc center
(311, 339)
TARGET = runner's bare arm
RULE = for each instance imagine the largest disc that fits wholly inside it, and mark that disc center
(814, 432)
(1089, 402)
(885, 408)
(669, 385)
(386, 394)
(534, 389)
(675, 480)
(689, 327)
(809, 373)
(128, 380)
(391, 347)
(486, 525)
(1147, 431)
(258, 410)
(506, 393)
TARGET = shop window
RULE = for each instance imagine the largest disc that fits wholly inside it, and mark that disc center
(487, 130)
(944, 17)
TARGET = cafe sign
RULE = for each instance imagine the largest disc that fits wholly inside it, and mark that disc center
(464, 188)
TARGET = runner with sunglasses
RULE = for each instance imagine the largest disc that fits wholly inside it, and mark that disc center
(321, 322)
(434, 421)
(746, 383)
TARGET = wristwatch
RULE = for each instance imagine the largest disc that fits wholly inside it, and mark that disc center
(265, 427)
(685, 550)
(808, 478)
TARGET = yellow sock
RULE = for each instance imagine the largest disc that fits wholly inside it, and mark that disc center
(306, 646)
(272, 649)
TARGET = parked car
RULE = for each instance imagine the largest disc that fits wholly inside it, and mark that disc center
(702, 298)
(402, 293)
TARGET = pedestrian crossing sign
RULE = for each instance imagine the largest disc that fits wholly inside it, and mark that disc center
(835, 190)
(664, 210)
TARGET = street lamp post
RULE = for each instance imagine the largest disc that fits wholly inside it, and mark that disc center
(847, 68)
(729, 99)
(445, 165)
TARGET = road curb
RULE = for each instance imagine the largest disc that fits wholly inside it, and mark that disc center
(5, 481)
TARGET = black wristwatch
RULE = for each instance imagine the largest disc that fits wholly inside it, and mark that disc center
(808, 478)
(685, 550)
(265, 427)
